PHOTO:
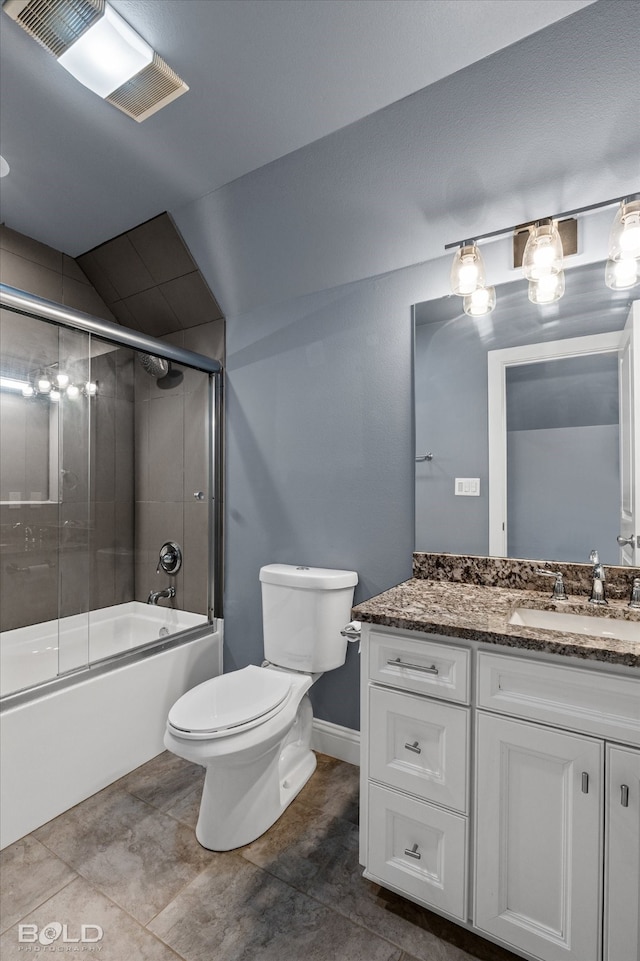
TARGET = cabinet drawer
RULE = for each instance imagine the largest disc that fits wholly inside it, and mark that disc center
(418, 849)
(419, 746)
(590, 702)
(426, 666)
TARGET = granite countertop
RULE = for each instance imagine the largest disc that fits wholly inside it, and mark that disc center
(480, 613)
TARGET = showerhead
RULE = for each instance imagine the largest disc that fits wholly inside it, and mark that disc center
(156, 366)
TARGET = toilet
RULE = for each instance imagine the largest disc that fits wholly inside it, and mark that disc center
(251, 729)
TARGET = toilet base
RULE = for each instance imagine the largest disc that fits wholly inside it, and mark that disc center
(244, 796)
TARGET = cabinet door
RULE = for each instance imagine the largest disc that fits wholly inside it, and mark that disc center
(622, 878)
(538, 839)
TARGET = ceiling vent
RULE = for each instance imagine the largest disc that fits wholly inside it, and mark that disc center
(58, 24)
(150, 90)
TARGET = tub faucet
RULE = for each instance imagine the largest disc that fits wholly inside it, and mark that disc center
(155, 596)
(598, 595)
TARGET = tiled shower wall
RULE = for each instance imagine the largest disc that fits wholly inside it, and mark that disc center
(151, 283)
(62, 559)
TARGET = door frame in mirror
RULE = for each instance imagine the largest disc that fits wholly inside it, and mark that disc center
(498, 361)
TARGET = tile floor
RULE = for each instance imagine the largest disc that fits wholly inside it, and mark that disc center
(127, 860)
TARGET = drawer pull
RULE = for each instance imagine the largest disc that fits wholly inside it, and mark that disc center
(413, 852)
(396, 662)
(414, 747)
(624, 795)
(585, 782)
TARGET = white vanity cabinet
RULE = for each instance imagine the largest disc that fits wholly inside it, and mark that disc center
(511, 805)
(415, 775)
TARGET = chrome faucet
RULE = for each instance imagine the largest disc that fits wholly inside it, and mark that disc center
(155, 596)
(634, 601)
(598, 594)
(559, 593)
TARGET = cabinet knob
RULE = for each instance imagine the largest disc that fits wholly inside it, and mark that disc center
(413, 852)
(414, 747)
(624, 795)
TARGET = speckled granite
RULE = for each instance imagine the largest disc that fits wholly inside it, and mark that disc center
(480, 613)
(519, 574)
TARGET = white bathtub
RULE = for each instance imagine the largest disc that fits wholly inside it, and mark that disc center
(31, 655)
(64, 745)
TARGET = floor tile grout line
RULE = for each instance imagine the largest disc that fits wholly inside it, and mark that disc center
(47, 897)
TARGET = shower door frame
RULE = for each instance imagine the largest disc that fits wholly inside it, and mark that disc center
(38, 308)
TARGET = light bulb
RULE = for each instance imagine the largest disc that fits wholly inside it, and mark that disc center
(72, 391)
(624, 239)
(54, 396)
(91, 388)
(62, 380)
(480, 302)
(622, 274)
(28, 391)
(543, 252)
(467, 270)
(44, 383)
(547, 289)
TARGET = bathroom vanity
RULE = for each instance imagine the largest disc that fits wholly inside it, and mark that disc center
(500, 763)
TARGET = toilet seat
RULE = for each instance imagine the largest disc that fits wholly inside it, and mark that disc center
(230, 703)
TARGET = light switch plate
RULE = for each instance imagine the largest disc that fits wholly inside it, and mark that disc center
(467, 487)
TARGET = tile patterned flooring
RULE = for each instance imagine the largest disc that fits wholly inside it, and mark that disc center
(127, 859)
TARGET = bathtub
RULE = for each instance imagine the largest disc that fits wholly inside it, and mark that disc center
(72, 737)
(31, 655)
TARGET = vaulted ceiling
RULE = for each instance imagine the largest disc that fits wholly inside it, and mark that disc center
(266, 77)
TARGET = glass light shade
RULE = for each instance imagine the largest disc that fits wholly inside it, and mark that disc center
(91, 388)
(44, 383)
(467, 270)
(480, 302)
(107, 54)
(547, 289)
(28, 391)
(72, 391)
(543, 252)
(55, 396)
(624, 239)
(622, 274)
(62, 380)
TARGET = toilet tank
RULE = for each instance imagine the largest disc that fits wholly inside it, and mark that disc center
(303, 611)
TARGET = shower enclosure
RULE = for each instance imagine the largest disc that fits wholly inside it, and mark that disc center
(110, 448)
(107, 441)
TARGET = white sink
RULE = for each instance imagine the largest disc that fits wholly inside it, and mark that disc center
(577, 623)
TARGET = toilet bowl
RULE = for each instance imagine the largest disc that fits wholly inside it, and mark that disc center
(251, 728)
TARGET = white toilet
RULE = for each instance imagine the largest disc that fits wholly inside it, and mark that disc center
(251, 729)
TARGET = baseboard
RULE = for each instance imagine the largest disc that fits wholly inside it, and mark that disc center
(336, 741)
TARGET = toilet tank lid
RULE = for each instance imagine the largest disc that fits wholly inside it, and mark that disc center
(307, 578)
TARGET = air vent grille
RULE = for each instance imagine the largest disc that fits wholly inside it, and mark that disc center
(152, 88)
(55, 24)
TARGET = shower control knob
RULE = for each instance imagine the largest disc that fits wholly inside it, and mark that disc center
(170, 559)
(199, 495)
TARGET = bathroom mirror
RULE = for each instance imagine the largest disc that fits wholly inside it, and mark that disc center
(557, 402)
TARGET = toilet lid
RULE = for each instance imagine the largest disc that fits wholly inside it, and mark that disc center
(230, 700)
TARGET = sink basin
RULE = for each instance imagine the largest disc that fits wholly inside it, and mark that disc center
(577, 623)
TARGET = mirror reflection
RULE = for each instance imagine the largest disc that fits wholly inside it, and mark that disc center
(556, 487)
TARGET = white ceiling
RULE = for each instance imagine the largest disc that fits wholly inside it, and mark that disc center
(266, 77)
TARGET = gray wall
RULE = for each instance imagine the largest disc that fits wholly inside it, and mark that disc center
(319, 415)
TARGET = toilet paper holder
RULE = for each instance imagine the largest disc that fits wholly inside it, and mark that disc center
(352, 631)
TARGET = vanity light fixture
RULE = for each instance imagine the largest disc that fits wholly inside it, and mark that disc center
(101, 50)
(467, 270)
(548, 241)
